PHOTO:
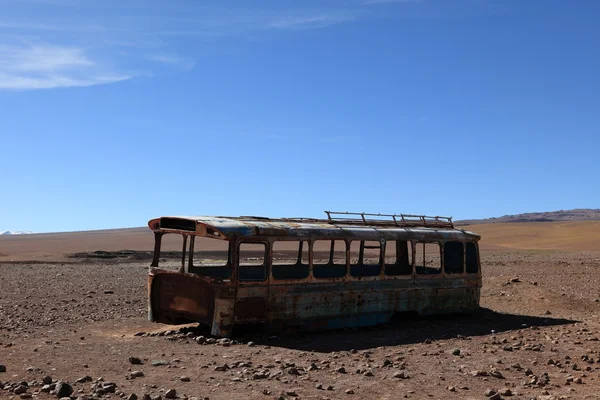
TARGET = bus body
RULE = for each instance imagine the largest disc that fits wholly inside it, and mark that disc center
(353, 271)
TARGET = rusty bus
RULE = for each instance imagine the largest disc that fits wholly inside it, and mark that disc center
(348, 270)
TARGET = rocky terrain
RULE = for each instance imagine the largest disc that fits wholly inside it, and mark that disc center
(80, 331)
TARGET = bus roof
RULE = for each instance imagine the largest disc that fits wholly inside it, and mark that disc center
(229, 227)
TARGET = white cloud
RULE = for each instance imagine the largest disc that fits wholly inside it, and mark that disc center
(173, 60)
(45, 66)
(310, 22)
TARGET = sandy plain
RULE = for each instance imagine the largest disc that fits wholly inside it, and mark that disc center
(537, 336)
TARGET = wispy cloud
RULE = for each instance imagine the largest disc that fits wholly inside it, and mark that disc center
(310, 22)
(45, 66)
(174, 60)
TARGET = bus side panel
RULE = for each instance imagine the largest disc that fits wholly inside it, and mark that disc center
(178, 298)
(364, 303)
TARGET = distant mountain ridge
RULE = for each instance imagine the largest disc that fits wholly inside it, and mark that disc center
(578, 214)
(16, 233)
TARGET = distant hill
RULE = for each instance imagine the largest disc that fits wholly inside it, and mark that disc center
(579, 214)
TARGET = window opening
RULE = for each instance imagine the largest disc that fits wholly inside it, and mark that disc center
(252, 266)
(472, 258)
(398, 255)
(329, 258)
(209, 257)
(427, 258)
(368, 261)
(453, 257)
(289, 261)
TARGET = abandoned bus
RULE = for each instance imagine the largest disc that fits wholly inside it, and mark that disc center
(348, 270)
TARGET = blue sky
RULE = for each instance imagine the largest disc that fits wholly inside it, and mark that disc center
(112, 112)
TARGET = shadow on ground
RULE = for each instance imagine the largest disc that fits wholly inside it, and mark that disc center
(415, 330)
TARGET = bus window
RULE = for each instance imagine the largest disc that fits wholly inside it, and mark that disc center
(427, 258)
(453, 257)
(398, 256)
(472, 259)
(288, 262)
(171, 248)
(368, 261)
(329, 258)
(252, 266)
(210, 257)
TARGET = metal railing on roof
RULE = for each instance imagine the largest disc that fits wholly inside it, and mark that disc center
(399, 220)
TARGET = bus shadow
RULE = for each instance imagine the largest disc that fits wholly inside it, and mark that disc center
(414, 330)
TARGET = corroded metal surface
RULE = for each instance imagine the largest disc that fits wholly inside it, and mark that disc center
(229, 227)
(228, 299)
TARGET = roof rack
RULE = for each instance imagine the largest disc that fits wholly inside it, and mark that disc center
(399, 220)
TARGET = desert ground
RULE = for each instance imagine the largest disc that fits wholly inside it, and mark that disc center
(82, 321)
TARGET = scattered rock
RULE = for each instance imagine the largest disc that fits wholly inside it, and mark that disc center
(2, 368)
(157, 363)
(132, 396)
(46, 380)
(135, 360)
(505, 392)
(85, 379)
(185, 379)
(456, 352)
(171, 394)
(349, 391)
(401, 375)
(63, 389)
(20, 389)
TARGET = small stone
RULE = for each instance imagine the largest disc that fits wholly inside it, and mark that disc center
(132, 396)
(63, 389)
(401, 375)
(2, 368)
(456, 352)
(505, 392)
(26, 395)
(157, 363)
(578, 380)
(452, 388)
(319, 386)
(330, 387)
(341, 370)
(47, 380)
(85, 379)
(349, 391)
(427, 341)
(135, 360)
(20, 389)
(171, 394)
(109, 292)
(251, 344)
(496, 374)
(387, 363)
(479, 373)
(136, 374)
(368, 373)
(185, 379)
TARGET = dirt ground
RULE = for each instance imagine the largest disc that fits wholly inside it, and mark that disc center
(537, 337)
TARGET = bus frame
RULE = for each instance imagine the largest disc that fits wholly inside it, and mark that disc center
(324, 291)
